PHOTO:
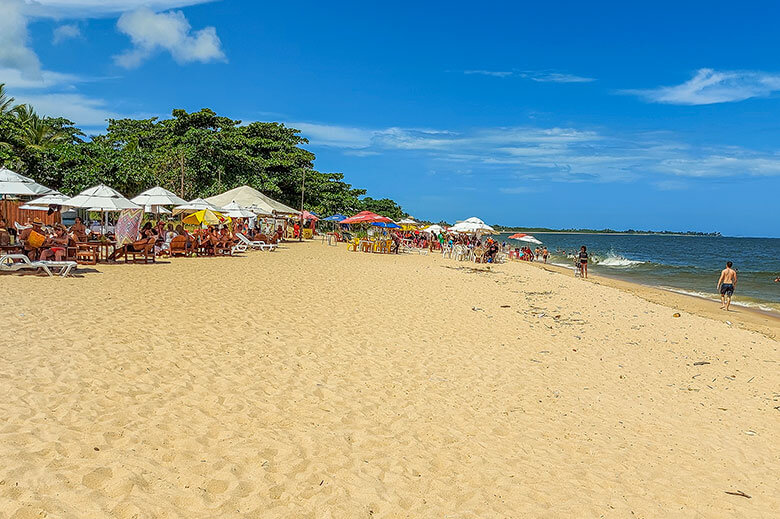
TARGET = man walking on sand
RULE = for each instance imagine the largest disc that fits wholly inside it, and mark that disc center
(726, 284)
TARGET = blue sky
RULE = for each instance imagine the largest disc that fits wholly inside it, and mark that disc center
(570, 114)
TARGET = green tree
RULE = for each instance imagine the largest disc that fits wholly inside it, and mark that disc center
(383, 206)
(38, 133)
(195, 154)
(6, 101)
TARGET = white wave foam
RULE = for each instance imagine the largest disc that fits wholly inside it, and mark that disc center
(716, 299)
(616, 260)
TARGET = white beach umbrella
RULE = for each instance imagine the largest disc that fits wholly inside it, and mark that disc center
(253, 200)
(12, 183)
(407, 221)
(100, 198)
(43, 202)
(156, 209)
(158, 196)
(234, 210)
(194, 206)
(472, 225)
(436, 229)
(53, 198)
(260, 210)
(28, 207)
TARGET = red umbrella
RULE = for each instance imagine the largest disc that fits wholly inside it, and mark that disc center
(517, 236)
(367, 217)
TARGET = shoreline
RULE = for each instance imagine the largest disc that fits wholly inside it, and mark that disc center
(755, 319)
(627, 234)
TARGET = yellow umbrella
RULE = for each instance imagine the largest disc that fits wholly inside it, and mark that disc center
(206, 216)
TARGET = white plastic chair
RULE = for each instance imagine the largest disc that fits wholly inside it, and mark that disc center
(255, 244)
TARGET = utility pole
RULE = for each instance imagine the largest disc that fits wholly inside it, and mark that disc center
(303, 187)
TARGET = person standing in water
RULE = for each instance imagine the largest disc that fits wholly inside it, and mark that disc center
(727, 282)
(583, 257)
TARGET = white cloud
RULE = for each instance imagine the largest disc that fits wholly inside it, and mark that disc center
(709, 86)
(99, 8)
(432, 139)
(334, 135)
(84, 111)
(361, 153)
(494, 73)
(16, 79)
(65, 32)
(540, 76)
(554, 77)
(552, 154)
(15, 51)
(17, 54)
(152, 32)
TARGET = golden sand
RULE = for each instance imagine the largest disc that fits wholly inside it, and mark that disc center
(313, 382)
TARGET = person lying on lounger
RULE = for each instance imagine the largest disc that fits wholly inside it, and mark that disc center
(137, 246)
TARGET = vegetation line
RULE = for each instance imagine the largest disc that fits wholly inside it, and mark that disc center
(197, 154)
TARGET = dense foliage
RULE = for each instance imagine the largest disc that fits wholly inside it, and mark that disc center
(195, 154)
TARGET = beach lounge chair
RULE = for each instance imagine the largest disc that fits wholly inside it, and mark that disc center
(142, 251)
(239, 247)
(17, 262)
(255, 244)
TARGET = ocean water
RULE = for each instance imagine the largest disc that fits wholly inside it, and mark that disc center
(686, 264)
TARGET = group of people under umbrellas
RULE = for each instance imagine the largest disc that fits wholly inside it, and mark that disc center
(40, 242)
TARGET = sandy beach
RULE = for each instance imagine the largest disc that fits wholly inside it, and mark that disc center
(316, 382)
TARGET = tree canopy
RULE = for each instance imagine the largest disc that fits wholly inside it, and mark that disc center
(197, 154)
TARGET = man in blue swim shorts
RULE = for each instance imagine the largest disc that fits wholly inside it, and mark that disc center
(726, 285)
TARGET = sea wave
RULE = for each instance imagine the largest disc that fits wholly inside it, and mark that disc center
(766, 307)
(616, 260)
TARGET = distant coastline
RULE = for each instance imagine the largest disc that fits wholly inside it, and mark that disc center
(612, 232)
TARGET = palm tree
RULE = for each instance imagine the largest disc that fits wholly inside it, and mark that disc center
(37, 133)
(6, 102)
(23, 113)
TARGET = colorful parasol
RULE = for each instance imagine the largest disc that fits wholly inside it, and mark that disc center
(206, 216)
(366, 217)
